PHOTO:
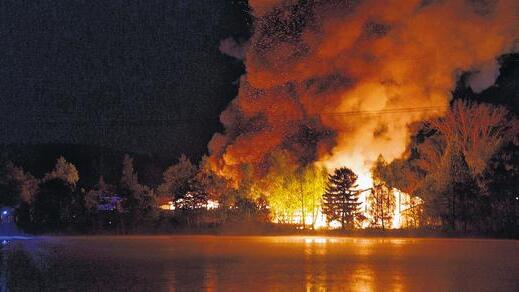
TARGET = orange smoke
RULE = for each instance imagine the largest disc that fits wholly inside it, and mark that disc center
(307, 62)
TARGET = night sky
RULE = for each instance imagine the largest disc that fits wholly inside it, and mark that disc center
(143, 76)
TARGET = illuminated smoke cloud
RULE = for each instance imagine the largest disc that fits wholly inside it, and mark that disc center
(324, 77)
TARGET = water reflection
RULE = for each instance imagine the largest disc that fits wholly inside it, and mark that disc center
(210, 263)
(314, 268)
(362, 278)
(354, 273)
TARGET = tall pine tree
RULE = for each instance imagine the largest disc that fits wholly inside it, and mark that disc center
(341, 200)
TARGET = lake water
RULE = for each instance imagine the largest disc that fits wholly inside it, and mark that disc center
(278, 263)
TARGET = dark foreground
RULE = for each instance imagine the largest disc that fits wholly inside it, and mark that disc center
(283, 263)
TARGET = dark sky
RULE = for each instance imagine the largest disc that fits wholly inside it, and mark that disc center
(143, 76)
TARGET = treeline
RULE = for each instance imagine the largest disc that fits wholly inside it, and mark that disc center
(55, 203)
(463, 170)
(460, 174)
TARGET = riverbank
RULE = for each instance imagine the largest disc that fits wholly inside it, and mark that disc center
(288, 230)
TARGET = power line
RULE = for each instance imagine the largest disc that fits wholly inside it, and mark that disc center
(387, 111)
(72, 118)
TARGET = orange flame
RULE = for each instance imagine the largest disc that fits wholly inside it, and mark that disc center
(338, 82)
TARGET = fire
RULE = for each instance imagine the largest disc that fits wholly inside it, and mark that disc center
(365, 182)
(319, 222)
(337, 83)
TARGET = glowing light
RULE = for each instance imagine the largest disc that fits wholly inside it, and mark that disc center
(397, 220)
(212, 204)
(169, 206)
(317, 222)
(364, 180)
(335, 224)
(320, 221)
(320, 240)
(4, 212)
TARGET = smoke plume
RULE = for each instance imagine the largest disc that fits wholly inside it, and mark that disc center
(231, 48)
(337, 82)
(484, 77)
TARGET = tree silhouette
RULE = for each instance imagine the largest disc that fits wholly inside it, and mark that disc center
(502, 181)
(64, 171)
(139, 204)
(341, 200)
(129, 179)
(382, 205)
(16, 186)
(55, 207)
(178, 179)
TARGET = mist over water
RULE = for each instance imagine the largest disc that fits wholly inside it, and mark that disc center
(281, 263)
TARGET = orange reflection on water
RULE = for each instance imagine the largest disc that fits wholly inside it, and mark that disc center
(362, 278)
(324, 255)
(293, 263)
(315, 269)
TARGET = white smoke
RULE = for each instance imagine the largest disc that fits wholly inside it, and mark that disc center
(485, 77)
(232, 48)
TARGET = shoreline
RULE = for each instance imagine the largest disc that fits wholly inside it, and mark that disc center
(328, 233)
